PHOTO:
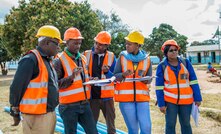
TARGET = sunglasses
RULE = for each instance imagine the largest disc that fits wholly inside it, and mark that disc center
(171, 50)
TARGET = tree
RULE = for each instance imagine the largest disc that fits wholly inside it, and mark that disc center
(4, 54)
(159, 36)
(22, 23)
(117, 29)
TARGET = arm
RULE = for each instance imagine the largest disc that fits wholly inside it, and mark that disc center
(23, 75)
(194, 82)
(109, 74)
(25, 72)
(118, 71)
(160, 86)
(149, 73)
(62, 82)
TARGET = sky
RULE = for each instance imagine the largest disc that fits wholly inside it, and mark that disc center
(196, 19)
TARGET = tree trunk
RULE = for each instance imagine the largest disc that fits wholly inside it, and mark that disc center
(3, 68)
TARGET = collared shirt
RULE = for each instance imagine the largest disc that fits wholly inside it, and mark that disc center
(28, 70)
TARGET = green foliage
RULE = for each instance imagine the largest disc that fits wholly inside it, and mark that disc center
(159, 36)
(22, 24)
(4, 54)
(205, 42)
(117, 29)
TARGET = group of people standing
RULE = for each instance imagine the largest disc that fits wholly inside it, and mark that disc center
(41, 83)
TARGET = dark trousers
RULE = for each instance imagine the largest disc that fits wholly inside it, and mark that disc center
(78, 112)
(108, 110)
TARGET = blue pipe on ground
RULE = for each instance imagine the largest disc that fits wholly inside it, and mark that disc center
(102, 128)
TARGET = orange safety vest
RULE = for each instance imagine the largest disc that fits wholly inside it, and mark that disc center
(76, 91)
(133, 91)
(34, 100)
(107, 91)
(177, 90)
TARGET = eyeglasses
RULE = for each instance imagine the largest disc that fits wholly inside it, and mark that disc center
(54, 43)
(171, 50)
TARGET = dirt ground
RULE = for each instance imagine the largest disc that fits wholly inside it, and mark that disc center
(207, 125)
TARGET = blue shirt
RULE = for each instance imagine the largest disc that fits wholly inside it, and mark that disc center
(160, 80)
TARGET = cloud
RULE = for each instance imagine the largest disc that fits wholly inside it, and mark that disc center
(208, 4)
(197, 34)
(210, 23)
(193, 6)
(136, 5)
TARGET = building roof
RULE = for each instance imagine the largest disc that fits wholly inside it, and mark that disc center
(203, 48)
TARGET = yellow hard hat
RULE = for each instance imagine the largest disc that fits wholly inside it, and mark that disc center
(49, 31)
(135, 37)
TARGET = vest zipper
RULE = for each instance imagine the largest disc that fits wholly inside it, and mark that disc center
(178, 88)
(134, 83)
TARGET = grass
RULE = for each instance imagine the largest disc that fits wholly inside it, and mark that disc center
(209, 121)
(212, 101)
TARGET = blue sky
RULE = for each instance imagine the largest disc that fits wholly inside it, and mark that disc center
(197, 19)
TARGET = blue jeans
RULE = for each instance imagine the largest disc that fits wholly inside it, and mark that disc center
(73, 113)
(136, 114)
(183, 111)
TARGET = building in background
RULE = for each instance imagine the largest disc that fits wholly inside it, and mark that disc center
(204, 53)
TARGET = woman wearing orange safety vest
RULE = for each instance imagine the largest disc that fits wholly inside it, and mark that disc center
(133, 97)
(176, 88)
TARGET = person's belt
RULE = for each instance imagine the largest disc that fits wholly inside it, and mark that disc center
(83, 102)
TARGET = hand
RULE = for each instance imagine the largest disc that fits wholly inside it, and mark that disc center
(127, 73)
(93, 78)
(198, 103)
(76, 71)
(17, 120)
(14, 112)
(163, 109)
(145, 81)
(105, 68)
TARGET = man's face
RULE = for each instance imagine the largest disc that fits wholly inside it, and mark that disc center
(74, 45)
(100, 48)
(53, 46)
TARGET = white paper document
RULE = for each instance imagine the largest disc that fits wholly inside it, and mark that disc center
(100, 82)
(195, 114)
(139, 79)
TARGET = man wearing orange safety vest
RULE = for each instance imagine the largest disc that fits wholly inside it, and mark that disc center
(133, 97)
(101, 63)
(72, 72)
(34, 90)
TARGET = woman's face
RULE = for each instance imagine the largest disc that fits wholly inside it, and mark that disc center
(131, 47)
(173, 52)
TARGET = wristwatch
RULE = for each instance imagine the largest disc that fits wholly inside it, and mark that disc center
(15, 110)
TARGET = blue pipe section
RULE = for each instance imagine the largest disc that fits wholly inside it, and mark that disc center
(102, 128)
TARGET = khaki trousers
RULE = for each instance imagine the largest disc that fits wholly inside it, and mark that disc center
(39, 124)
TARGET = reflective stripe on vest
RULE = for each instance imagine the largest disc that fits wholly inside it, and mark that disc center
(70, 92)
(37, 84)
(131, 92)
(34, 101)
(176, 96)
